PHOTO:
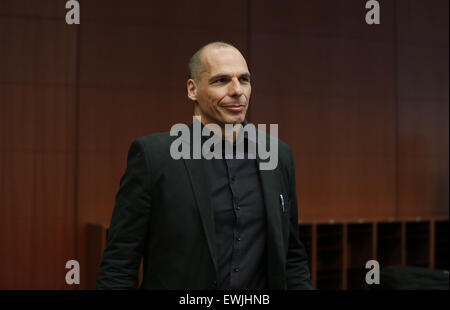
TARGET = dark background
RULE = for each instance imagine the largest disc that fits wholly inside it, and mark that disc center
(365, 109)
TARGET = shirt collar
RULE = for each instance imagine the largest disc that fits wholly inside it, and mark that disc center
(244, 123)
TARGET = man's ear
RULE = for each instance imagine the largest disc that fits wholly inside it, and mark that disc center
(192, 90)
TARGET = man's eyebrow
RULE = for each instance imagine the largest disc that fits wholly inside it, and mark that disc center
(223, 75)
(218, 76)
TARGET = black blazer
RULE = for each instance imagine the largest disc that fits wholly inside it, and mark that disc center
(163, 213)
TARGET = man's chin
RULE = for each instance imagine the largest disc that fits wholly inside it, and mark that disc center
(235, 119)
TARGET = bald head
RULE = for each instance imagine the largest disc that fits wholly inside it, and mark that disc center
(196, 63)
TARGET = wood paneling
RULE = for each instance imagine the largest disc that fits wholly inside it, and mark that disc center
(321, 19)
(48, 9)
(38, 51)
(37, 144)
(37, 196)
(422, 23)
(334, 101)
(423, 102)
(200, 15)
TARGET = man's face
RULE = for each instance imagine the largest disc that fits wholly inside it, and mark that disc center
(223, 91)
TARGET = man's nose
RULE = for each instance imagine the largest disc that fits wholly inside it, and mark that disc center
(236, 88)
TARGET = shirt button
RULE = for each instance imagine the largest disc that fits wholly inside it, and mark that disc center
(238, 238)
(238, 208)
(236, 269)
(232, 178)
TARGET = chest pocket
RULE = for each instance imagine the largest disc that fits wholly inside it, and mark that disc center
(285, 207)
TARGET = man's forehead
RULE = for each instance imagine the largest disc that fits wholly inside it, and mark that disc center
(222, 58)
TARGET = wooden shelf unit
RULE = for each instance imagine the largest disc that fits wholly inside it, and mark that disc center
(338, 250)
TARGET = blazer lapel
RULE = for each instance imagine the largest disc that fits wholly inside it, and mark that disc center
(270, 182)
(200, 188)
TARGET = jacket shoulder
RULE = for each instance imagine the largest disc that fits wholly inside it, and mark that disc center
(155, 147)
(159, 139)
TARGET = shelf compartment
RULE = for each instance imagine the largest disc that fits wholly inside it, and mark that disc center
(359, 245)
(329, 247)
(329, 279)
(389, 244)
(441, 244)
(418, 244)
(356, 279)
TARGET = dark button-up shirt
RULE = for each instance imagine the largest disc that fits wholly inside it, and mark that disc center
(240, 220)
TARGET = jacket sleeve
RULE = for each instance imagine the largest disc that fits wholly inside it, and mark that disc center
(297, 270)
(128, 228)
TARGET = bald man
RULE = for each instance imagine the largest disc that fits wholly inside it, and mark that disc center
(209, 223)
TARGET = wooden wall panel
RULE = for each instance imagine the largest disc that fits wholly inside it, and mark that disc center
(37, 50)
(423, 100)
(37, 186)
(328, 80)
(37, 138)
(48, 9)
(321, 18)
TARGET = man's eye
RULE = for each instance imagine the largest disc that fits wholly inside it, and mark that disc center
(221, 80)
(245, 79)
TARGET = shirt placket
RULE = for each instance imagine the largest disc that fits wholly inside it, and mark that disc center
(235, 256)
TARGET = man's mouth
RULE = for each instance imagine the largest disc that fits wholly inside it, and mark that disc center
(234, 107)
